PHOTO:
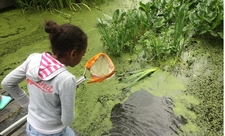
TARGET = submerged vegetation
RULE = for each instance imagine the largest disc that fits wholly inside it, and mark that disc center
(137, 75)
(162, 28)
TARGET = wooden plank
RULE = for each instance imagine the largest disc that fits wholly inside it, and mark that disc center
(9, 115)
(21, 131)
(12, 108)
(12, 119)
(2, 91)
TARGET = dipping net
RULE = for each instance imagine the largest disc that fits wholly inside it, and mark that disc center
(101, 67)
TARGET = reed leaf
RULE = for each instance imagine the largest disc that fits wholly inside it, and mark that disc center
(138, 75)
(61, 3)
(50, 4)
(85, 6)
(72, 7)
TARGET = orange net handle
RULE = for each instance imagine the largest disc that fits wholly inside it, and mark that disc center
(91, 61)
(95, 78)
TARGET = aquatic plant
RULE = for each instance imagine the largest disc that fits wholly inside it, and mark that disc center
(157, 14)
(162, 28)
(207, 17)
(137, 75)
(181, 29)
(120, 32)
(51, 5)
(174, 29)
(94, 2)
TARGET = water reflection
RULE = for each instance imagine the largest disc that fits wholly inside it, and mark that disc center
(145, 115)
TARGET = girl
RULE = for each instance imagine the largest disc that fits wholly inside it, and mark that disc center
(51, 87)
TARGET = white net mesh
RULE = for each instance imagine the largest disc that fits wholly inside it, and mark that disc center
(101, 67)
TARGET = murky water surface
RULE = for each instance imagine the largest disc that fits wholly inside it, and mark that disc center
(145, 114)
(158, 105)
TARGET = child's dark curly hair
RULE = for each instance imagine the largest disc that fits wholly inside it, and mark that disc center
(64, 38)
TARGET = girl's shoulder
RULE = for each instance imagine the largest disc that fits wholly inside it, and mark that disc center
(64, 74)
(33, 55)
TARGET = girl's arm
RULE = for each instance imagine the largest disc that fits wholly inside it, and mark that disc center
(67, 97)
(11, 84)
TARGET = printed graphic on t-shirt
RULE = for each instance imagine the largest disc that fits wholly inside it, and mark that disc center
(41, 85)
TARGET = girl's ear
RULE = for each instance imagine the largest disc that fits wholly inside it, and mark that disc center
(73, 53)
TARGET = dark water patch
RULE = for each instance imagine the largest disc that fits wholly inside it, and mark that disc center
(145, 115)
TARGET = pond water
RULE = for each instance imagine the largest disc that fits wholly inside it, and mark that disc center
(144, 114)
(161, 104)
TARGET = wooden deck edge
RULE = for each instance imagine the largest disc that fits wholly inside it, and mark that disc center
(11, 114)
(6, 3)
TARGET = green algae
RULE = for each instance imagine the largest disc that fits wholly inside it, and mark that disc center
(162, 83)
(208, 86)
(204, 80)
(93, 105)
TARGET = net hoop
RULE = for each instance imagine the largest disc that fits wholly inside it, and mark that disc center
(94, 76)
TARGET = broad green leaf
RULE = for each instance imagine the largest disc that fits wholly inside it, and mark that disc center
(142, 7)
(217, 21)
(208, 2)
(116, 15)
(159, 22)
(213, 33)
(201, 14)
(211, 16)
(203, 29)
(193, 18)
(201, 5)
(186, 29)
(220, 34)
(122, 16)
